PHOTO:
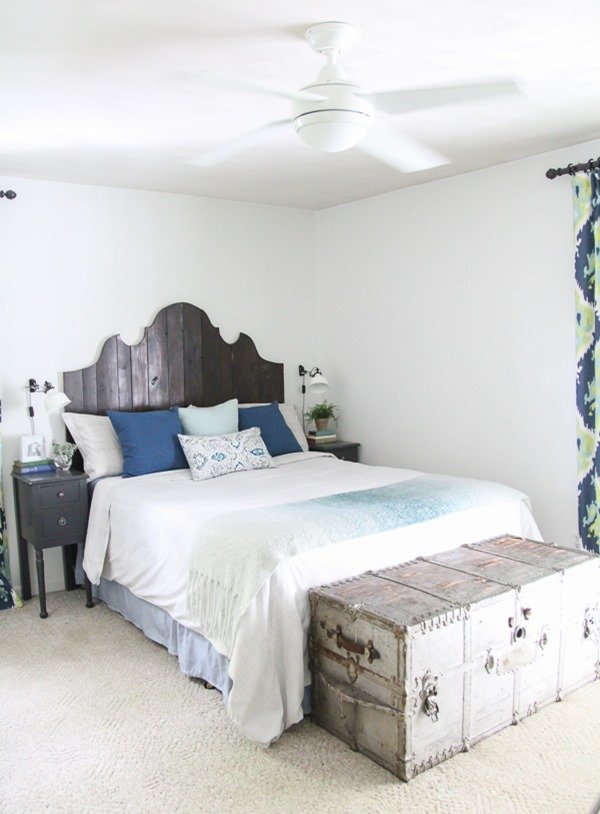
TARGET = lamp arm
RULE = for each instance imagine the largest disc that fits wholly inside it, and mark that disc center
(33, 387)
(30, 412)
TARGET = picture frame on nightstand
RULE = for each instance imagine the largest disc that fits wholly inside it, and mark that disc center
(33, 448)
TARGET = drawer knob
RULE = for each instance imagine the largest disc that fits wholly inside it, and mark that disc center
(61, 494)
(62, 521)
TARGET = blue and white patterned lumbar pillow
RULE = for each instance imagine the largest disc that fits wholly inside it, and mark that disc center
(215, 455)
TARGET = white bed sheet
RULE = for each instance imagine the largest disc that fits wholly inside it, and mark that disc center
(142, 532)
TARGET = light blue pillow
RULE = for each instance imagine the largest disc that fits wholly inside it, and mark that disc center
(148, 441)
(222, 419)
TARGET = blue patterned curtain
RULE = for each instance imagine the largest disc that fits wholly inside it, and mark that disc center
(586, 205)
(8, 598)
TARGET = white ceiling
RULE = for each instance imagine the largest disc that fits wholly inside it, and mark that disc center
(96, 91)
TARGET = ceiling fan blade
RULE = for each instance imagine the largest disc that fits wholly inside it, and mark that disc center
(266, 89)
(234, 146)
(399, 151)
(272, 90)
(402, 101)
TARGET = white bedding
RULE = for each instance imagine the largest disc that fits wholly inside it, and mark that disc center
(142, 534)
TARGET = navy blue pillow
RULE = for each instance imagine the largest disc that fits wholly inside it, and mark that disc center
(149, 441)
(276, 434)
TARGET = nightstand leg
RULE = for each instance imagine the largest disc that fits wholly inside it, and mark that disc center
(89, 602)
(39, 564)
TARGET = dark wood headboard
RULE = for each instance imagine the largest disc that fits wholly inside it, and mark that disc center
(182, 359)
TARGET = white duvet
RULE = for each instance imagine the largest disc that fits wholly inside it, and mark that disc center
(142, 533)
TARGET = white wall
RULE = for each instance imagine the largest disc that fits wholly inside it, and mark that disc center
(80, 263)
(447, 328)
(446, 320)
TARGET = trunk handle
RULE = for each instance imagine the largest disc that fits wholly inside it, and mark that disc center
(356, 647)
(346, 694)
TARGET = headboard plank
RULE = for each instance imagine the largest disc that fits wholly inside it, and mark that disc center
(211, 361)
(226, 356)
(269, 383)
(90, 393)
(175, 352)
(124, 375)
(139, 374)
(73, 385)
(182, 359)
(158, 363)
(193, 349)
(107, 385)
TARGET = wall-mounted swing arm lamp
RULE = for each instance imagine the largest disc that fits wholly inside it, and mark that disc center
(53, 400)
(318, 383)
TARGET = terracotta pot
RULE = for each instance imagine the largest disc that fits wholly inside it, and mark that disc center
(322, 423)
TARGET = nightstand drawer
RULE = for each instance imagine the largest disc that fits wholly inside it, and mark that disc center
(344, 450)
(55, 494)
(348, 455)
(60, 522)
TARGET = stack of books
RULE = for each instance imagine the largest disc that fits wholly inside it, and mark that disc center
(315, 437)
(34, 467)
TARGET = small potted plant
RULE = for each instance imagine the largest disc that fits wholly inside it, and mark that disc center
(63, 454)
(321, 414)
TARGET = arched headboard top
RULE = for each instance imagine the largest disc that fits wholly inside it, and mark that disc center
(182, 359)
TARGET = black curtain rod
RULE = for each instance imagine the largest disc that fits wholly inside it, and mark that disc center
(8, 194)
(571, 169)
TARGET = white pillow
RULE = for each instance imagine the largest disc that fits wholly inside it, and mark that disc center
(97, 442)
(291, 419)
(213, 456)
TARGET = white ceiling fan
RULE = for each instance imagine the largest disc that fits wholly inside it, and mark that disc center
(333, 113)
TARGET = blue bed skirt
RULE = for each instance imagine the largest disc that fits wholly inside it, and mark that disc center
(196, 655)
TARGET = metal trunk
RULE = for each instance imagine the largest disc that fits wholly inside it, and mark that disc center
(415, 663)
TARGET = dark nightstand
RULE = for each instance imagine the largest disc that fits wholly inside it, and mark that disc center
(51, 510)
(346, 450)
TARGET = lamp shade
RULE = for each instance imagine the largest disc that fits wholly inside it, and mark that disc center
(318, 383)
(54, 400)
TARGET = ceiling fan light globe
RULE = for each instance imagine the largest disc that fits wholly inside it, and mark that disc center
(332, 131)
(337, 121)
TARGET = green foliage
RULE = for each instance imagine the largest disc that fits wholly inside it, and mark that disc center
(66, 448)
(322, 410)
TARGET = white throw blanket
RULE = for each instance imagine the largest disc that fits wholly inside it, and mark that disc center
(237, 553)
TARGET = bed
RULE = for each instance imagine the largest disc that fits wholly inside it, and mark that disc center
(151, 538)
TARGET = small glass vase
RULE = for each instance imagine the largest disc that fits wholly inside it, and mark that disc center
(63, 462)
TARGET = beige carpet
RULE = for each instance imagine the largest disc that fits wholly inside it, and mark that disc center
(96, 718)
